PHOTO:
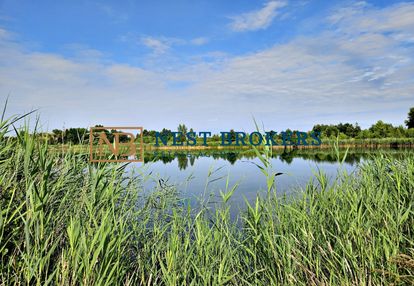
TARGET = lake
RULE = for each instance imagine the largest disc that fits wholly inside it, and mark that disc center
(203, 174)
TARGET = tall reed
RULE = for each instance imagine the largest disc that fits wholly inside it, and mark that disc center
(64, 221)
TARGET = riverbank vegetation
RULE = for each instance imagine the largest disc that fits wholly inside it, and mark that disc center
(67, 222)
(380, 134)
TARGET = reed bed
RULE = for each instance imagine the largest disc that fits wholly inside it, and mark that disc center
(64, 221)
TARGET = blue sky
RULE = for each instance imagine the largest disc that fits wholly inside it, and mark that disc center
(212, 65)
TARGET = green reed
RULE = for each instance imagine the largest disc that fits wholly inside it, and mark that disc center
(64, 221)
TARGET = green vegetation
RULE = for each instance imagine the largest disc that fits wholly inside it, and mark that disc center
(410, 121)
(379, 134)
(64, 221)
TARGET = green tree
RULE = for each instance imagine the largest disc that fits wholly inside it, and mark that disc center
(183, 129)
(382, 130)
(232, 135)
(166, 133)
(319, 128)
(349, 129)
(410, 121)
(365, 134)
(75, 135)
(410, 133)
(57, 136)
(331, 131)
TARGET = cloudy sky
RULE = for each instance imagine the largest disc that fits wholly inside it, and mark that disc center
(212, 65)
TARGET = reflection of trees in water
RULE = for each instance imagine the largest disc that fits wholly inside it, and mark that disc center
(323, 156)
(167, 159)
(182, 161)
(351, 158)
(286, 156)
(192, 160)
(217, 156)
(231, 157)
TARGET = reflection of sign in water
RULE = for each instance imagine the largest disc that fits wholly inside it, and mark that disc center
(108, 144)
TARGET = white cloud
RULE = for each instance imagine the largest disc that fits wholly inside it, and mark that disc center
(159, 46)
(361, 18)
(113, 14)
(362, 74)
(4, 34)
(199, 41)
(258, 19)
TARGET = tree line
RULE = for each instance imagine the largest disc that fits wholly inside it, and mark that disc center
(327, 131)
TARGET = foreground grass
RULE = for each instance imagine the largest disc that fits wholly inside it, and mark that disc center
(66, 222)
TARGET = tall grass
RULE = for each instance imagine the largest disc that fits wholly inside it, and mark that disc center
(66, 222)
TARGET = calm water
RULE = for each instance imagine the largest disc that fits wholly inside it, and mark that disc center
(203, 174)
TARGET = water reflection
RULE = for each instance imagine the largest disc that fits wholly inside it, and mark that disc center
(188, 158)
(202, 175)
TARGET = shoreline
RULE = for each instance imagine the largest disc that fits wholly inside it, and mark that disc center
(279, 147)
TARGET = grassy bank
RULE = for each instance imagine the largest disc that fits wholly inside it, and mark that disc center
(66, 222)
